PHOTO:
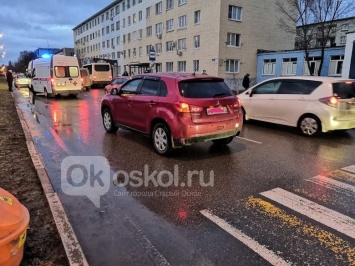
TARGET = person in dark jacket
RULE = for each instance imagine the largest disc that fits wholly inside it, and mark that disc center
(9, 79)
(246, 81)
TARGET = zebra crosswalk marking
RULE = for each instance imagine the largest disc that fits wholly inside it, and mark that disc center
(347, 189)
(328, 217)
(350, 168)
(344, 250)
(265, 253)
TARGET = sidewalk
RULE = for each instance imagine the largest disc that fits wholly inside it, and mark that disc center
(19, 177)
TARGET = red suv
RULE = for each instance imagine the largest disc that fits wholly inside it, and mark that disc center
(175, 109)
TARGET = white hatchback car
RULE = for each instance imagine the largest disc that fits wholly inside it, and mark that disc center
(312, 104)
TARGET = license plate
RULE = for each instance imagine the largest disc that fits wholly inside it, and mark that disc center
(217, 110)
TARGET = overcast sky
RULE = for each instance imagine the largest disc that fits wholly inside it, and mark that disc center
(31, 24)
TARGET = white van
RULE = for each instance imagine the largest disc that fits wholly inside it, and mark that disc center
(100, 73)
(57, 74)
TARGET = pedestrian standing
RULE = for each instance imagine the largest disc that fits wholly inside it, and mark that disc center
(246, 81)
(9, 79)
(204, 72)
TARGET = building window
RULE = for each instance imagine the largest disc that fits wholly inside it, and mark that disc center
(181, 44)
(169, 66)
(112, 27)
(149, 31)
(124, 23)
(181, 66)
(134, 18)
(107, 29)
(343, 39)
(118, 40)
(169, 4)
(158, 48)
(140, 15)
(232, 66)
(345, 27)
(118, 26)
(196, 65)
(148, 48)
(289, 66)
(158, 8)
(103, 44)
(336, 65)
(117, 10)
(148, 12)
(140, 36)
(197, 17)
(235, 13)
(108, 43)
(314, 66)
(182, 2)
(158, 28)
(269, 66)
(129, 20)
(233, 39)
(140, 51)
(123, 6)
(197, 41)
(134, 35)
(182, 22)
(170, 46)
(169, 25)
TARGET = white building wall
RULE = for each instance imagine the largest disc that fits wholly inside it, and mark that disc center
(350, 39)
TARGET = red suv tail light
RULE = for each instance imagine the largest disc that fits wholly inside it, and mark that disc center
(332, 101)
(235, 106)
(187, 108)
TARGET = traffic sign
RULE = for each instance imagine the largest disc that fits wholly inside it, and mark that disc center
(152, 55)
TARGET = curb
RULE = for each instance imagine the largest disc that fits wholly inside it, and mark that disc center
(70, 242)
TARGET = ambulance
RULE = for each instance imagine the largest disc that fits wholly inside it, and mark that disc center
(55, 75)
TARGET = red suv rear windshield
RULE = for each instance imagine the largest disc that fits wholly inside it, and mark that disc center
(204, 89)
(344, 90)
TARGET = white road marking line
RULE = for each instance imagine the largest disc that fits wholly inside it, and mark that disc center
(254, 141)
(328, 217)
(333, 184)
(350, 168)
(265, 253)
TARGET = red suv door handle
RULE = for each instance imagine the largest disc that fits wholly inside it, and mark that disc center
(151, 103)
(130, 103)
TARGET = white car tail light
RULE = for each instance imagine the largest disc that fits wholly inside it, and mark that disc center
(332, 101)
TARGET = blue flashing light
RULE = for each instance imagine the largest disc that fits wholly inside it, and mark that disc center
(46, 55)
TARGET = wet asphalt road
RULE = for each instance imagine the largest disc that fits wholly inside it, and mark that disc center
(176, 225)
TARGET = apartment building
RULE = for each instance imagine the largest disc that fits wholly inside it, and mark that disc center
(339, 30)
(219, 36)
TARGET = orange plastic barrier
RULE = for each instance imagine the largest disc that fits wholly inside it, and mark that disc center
(14, 219)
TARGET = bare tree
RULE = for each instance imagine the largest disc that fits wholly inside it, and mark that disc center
(316, 21)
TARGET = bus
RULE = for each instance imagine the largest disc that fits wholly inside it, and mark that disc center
(100, 73)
